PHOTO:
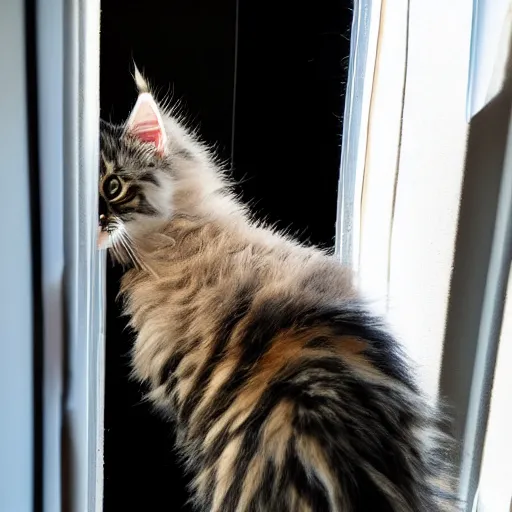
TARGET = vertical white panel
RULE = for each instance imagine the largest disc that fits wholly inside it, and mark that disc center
(363, 54)
(50, 53)
(16, 342)
(382, 150)
(429, 178)
(84, 266)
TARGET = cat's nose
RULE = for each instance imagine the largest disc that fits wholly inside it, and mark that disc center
(103, 221)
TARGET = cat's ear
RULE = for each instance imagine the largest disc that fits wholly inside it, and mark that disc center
(145, 123)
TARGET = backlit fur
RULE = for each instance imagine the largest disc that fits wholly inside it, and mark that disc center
(288, 395)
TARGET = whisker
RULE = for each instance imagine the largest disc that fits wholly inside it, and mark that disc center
(118, 247)
(124, 248)
(130, 246)
(143, 264)
(116, 253)
(129, 252)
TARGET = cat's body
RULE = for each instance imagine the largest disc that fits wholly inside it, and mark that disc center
(288, 395)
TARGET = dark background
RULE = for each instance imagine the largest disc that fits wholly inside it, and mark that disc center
(265, 83)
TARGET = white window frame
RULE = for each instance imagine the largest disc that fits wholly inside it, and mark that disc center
(481, 264)
(363, 53)
(73, 270)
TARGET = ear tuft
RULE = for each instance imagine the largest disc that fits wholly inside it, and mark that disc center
(145, 123)
(140, 81)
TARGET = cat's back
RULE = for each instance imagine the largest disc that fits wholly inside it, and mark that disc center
(288, 393)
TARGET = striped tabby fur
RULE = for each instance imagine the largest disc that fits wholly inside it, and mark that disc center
(287, 393)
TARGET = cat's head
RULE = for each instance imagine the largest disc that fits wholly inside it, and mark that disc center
(152, 168)
(138, 166)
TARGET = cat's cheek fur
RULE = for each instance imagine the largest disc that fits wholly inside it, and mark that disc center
(159, 195)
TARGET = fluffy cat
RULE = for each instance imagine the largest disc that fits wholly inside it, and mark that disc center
(287, 393)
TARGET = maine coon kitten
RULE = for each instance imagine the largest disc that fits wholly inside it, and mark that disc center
(287, 393)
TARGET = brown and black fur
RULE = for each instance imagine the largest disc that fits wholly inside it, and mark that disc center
(288, 394)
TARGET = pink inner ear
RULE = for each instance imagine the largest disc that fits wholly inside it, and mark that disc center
(145, 122)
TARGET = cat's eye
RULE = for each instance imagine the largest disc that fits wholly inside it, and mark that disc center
(112, 187)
